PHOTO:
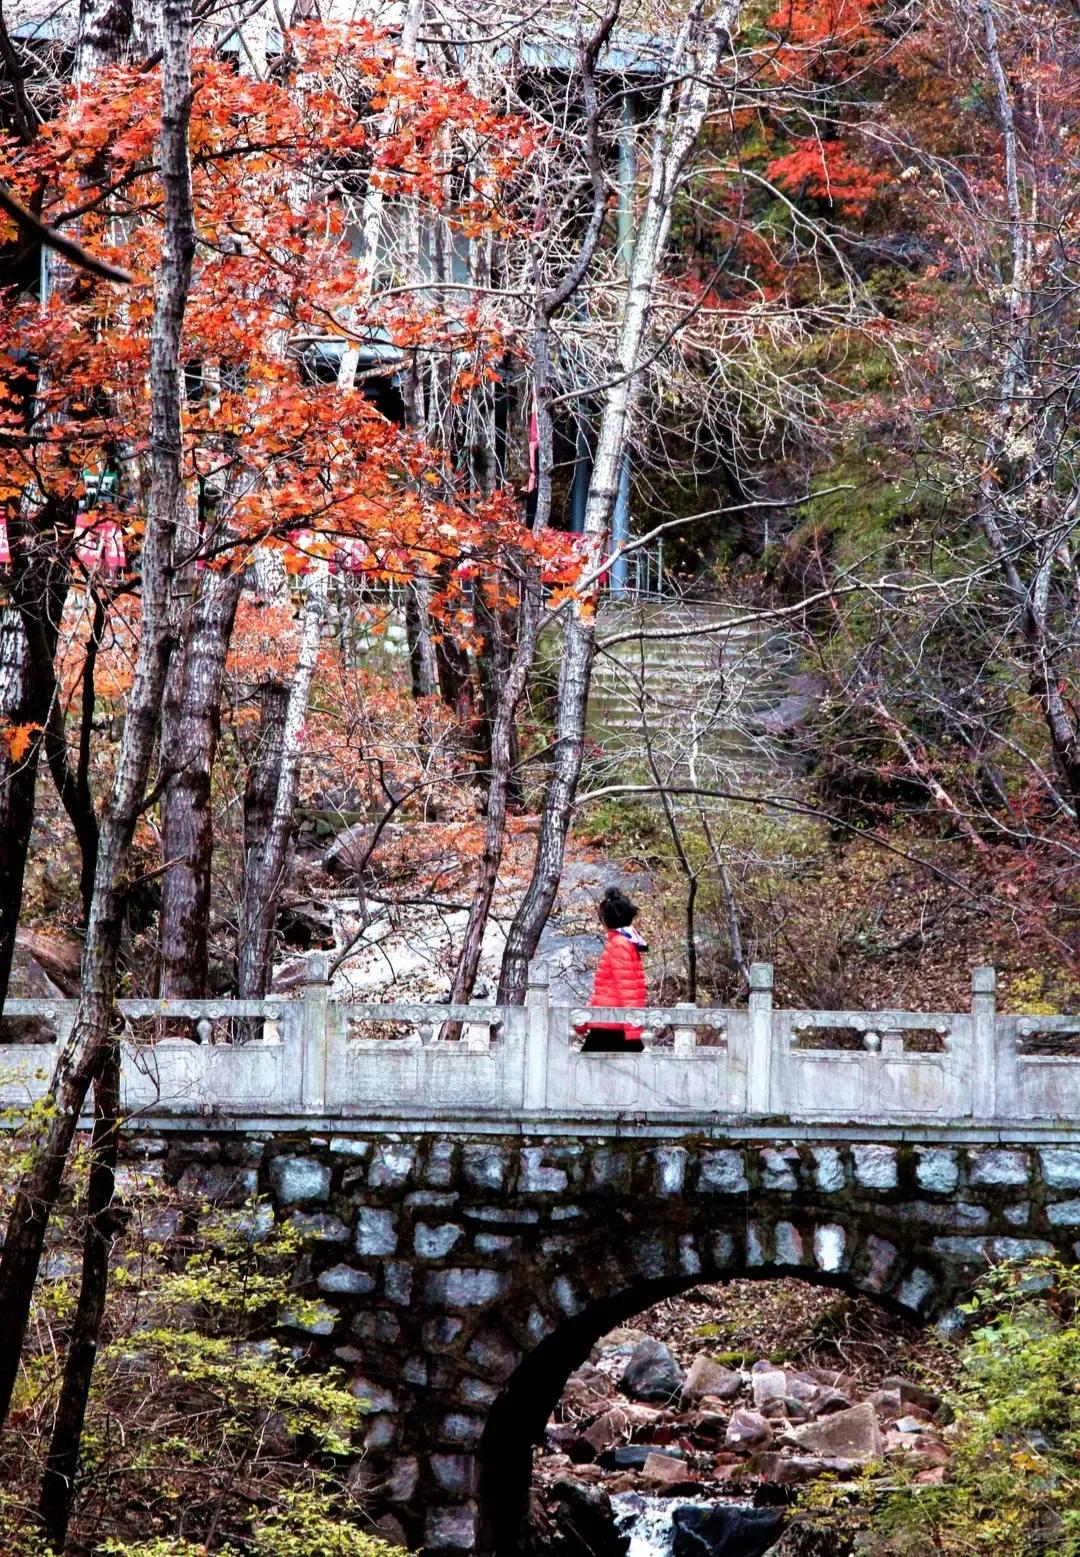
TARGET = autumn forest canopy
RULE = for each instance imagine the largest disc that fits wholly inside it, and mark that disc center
(445, 452)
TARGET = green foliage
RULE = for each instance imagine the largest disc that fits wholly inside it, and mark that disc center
(1013, 1487)
(207, 1428)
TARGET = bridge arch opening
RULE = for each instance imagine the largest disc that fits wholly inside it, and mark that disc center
(518, 1418)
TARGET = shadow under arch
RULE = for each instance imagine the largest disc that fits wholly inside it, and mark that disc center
(517, 1418)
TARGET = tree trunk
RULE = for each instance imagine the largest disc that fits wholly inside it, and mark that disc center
(102, 1225)
(91, 1043)
(266, 859)
(680, 115)
(264, 775)
(37, 590)
(191, 724)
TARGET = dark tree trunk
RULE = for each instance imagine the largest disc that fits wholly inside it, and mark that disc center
(37, 590)
(191, 724)
(254, 939)
(102, 1225)
(92, 1042)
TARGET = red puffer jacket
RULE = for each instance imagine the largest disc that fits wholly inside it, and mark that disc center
(620, 978)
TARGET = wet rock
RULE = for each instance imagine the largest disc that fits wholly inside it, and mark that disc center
(747, 1430)
(725, 1530)
(584, 1523)
(706, 1377)
(850, 1435)
(632, 1456)
(652, 1372)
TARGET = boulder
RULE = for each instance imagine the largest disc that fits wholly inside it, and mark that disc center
(632, 1456)
(706, 1377)
(584, 1522)
(620, 1341)
(851, 1435)
(747, 1430)
(652, 1372)
(725, 1530)
(661, 1473)
(585, 1390)
(768, 1386)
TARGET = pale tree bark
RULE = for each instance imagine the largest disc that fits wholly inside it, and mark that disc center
(680, 115)
(266, 860)
(93, 1043)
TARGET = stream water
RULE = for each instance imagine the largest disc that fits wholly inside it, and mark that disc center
(649, 1522)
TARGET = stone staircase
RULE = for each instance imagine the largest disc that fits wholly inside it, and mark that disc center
(701, 698)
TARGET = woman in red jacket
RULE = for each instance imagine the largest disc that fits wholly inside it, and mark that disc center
(619, 978)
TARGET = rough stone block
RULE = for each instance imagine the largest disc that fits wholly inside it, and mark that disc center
(478, 1392)
(650, 1257)
(970, 1250)
(994, 1165)
(512, 1216)
(828, 1170)
(376, 1231)
(462, 1287)
(398, 1282)
(1018, 1215)
(391, 1164)
(937, 1169)
(875, 1166)
(319, 1227)
(669, 1170)
(491, 1352)
(439, 1168)
(757, 1244)
(382, 1432)
(790, 1248)
(299, 1178)
(342, 1278)
(723, 1173)
(608, 1168)
(461, 1427)
(402, 1479)
(779, 1168)
(451, 1529)
(1019, 1248)
(567, 1297)
(1065, 1213)
(1061, 1166)
(441, 1333)
(484, 1166)
(689, 1258)
(722, 1250)
(494, 1243)
(381, 1326)
(346, 1146)
(319, 1319)
(433, 1242)
(535, 1177)
(915, 1289)
(373, 1396)
(455, 1473)
(221, 1185)
(830, 1244)
(882, 1256)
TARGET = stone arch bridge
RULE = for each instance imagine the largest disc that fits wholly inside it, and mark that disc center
(476, 1212)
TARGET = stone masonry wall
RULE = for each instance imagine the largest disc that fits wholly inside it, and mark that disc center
(462, 1278)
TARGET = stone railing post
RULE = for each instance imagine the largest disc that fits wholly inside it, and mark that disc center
(314, 1036)
(536, 1038)
(759, 1050)
(683, 1038)
(984, 1056)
